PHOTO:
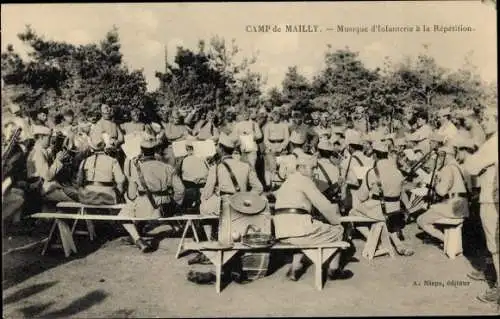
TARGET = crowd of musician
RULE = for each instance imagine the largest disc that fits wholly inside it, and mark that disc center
(315, 163)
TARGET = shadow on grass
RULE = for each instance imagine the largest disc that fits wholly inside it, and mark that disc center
(27, 292)
(81, 304)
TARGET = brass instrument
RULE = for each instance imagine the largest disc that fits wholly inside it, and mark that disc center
(8, 149)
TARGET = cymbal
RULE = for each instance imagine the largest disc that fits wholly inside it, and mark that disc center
(247, 203)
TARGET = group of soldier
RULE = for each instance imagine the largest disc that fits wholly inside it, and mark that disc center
(313, 167)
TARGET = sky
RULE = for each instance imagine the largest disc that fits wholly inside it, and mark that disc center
(146, 29)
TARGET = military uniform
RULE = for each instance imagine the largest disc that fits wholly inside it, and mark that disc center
(193, 171)
(450, 184)
(42, 170)
(276, 136)
(109, 127)
(245, 128)
(132, 127)
(101, 178)
(173, 133)
(205, 130)
(328, 173)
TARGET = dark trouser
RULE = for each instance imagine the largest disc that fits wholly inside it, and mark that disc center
(395, 222)
(192, 197)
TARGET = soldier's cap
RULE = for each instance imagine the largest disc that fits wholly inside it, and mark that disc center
(227, 141)
(444, 111)
(325, 145)
(297, 138)
(380, 146)
(446, 149)
(148, 141)
(41, 130)
(14, 108)
(353, 137)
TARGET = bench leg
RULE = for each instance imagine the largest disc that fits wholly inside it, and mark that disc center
(49, 239)
(179, 248)
(453, 241)
(316, 256)
(90, 229)
(372, 241)
(218, 270)
(66, 237)
(195, 233)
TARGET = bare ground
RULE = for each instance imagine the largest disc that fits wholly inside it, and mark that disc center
(108, 279)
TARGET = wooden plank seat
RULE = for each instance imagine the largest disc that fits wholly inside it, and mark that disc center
(378, 242)
(452, 236)
(220, 255)
(66, 234)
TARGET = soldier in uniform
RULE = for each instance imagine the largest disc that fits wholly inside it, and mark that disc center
(327, 171)
(356, 158)
(484, 165)
(67, 127)
(206, 129)
(380, 195)
(135, 124)
(447, 129)
(294, 224)
(21, 122)
(451, 187)
(276, 136)
(359, 120)
(423, 133)
(40, 117)
(295, 150)
(100, 177)
(193, 171)
(471, 123)
(42, 170)
(106, 125)
(246, 126)
(174, 131)
(153, 188)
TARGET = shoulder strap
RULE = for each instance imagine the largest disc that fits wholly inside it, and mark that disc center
(322, 169)
(379, 184)
(463, 178)
(233, 178)
(95, 164)
(358, 160)
(144, 185)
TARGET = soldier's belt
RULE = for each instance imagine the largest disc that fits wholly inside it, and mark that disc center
(157, 193)
(96, 183)
(226, 193)
(276, 141)
(453, 195)
(388, 199)
(290, 211)
(352, 187)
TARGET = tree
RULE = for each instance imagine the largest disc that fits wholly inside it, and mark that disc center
(61, 75)
(297, 91)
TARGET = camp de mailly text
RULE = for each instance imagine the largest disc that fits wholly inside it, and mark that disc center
(264, 28)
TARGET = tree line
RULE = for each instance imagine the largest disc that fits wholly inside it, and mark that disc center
(60, 75)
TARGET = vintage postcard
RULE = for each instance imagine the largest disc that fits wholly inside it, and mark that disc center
(232, 159)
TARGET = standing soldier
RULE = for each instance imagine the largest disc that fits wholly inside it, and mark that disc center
(174, 131)
(153, 189)
(294, 224)
(359, 120)
(206, 129)
(380, 195)
(135, 124)
(471, 123)
(107, 126)
(193, 171)
(484, 164)
(247, 128)
(276, 137)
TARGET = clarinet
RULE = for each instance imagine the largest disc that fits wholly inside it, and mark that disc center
(430, 191)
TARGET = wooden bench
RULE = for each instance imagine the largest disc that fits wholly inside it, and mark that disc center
(66, 234)
(220, 255)
(378, 242)
(82, 210)
(452, 236)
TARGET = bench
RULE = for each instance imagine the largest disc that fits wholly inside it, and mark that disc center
(378, 242)
(220, 255)
(452, 236)
(66, 234)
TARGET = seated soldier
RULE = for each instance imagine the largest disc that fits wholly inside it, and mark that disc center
(100, 176)
(450, 186)
(327, 171)
(153, 189)
(294, 224)
(42, 171)
(193, 171)
(380, 195)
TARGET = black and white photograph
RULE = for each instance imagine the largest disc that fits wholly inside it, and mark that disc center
(258, 159)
